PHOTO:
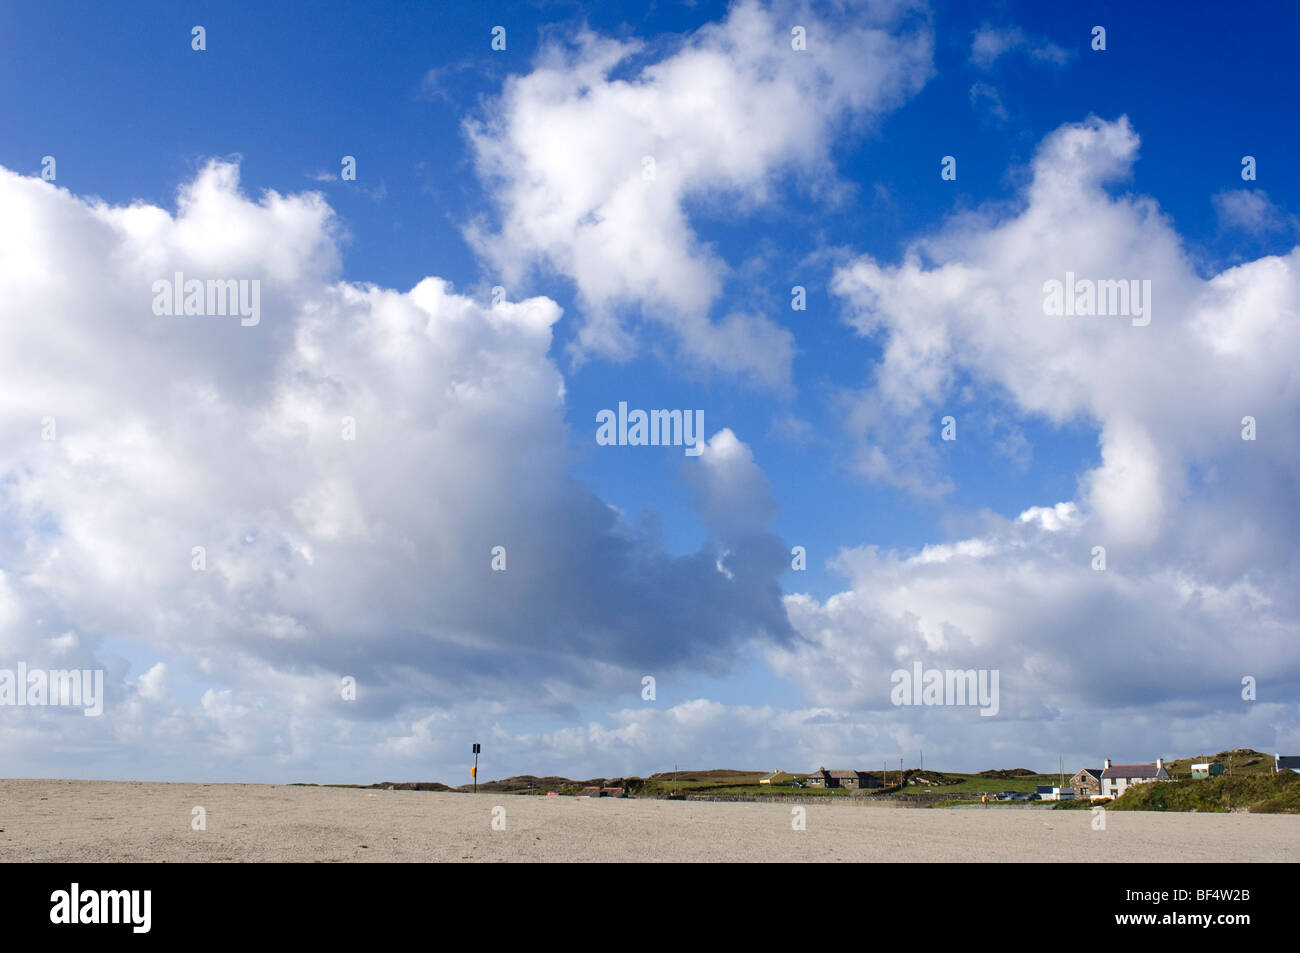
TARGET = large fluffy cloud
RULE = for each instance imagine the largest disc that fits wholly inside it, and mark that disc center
(595, 156)
(130, 438)
(1025, 599)
(1198, 586)
(1166, 397)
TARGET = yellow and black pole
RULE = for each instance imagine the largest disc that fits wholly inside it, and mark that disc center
(473, 772)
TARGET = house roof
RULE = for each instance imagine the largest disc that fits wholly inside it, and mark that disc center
(1095, 772)
(842, 774)
(1288, 761)
(1131, 771)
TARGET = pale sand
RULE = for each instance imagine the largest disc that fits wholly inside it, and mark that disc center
(144, 821)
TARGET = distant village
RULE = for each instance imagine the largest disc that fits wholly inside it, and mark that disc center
(918, 786)
(1104, 783)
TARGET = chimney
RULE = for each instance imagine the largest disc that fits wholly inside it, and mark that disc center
(1106, 765)
(1160, 763)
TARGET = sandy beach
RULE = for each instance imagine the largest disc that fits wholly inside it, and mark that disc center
(89, 821)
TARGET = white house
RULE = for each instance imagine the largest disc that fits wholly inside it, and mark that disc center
(1050, 792)
(1116, 778)
(1283, 762)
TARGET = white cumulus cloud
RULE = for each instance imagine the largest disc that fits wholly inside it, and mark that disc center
(595, 156)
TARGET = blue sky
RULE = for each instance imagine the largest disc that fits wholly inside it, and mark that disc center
(449, 186)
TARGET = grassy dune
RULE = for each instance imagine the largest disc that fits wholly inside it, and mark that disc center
(1256, 793)
(1237, 761)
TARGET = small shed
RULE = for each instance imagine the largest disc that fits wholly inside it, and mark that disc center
(1207, 769)
(1050, 792)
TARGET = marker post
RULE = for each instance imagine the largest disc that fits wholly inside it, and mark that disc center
(474, 772)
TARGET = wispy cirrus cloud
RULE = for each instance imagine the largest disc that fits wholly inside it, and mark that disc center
(990, 43)
(1251, 211)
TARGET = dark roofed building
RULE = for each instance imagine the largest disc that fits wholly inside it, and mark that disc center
(854, 780)
(1286, 762)
(816, 779)
(1116, 778)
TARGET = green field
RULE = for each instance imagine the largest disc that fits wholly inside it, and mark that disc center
(981, 784)
(735, 783)
(917, 782)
